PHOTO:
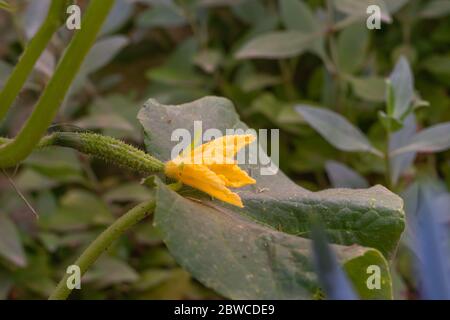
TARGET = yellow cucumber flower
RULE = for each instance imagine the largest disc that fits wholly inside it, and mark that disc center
(211, 168)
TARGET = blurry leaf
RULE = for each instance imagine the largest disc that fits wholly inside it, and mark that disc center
(372, 89)
(78, 209)
(395, 5)
(10, 244)
(175, 287)
(431, 139)
(432, 246)
(341, 176)
(6, 284)
(101, 53)
(213, 3)
(178, 69)
(131, 191)
(278, 111)
(402, 82)
(109, 271)
(442, 202)
(152, 278)
(336, 129)
(438, 64)
(147, 234)
(30, 180)
(58, 164)
(104, 121)
(33, 16)
(296, 15)
(258, 81)
(352, 44)
(117, 17)
(46, 203)
(50, 241)
(158, 257)
(208, 60)
(37, 275)
(358, 8)
(5, 70)
(162, 16)
(402, 162)
(252, 12)
(331, 277)
(115, 114)
(277, 45)
(435, 9)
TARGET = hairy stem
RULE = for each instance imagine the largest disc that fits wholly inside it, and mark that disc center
(102, 243)
(105, 148)
(15, 151)
(30, 55)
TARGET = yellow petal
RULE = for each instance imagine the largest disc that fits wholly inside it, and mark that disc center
(201, 178)
(223, 149)
(232, 175)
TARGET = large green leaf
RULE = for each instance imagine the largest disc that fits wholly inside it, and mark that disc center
(242, 259)
(276, 208)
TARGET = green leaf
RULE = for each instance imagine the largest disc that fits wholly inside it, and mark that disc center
(209, 60)
(432, 139)
(275, 210)
(438, 64)
(435, 9)
(352, 45)
(109, 271)
(6, 284)
(78, 209)
(162, 16)
(336, 129)
(241, 259)
(277, 45)
(341, 176)
(371, 88)
(402, 82)
(128, 192)
(358, 8)
(296, 15)
(10, 244)
(389, 122)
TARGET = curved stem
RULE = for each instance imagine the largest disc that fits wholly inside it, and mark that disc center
(30, 55)
(102, 243)
(47, 106)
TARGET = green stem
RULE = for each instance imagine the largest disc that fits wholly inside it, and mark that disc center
(387, 161)
(105, 148)
(287, 75)
(47, 106)
(30, 55)
(102, 243)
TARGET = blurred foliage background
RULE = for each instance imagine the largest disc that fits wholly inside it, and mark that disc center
(176, 51)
